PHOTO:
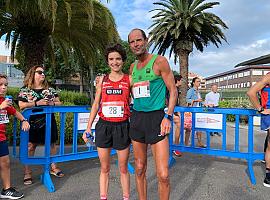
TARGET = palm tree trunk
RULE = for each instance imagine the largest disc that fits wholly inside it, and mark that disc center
(92, 79)
(81, 81)
(183, 60)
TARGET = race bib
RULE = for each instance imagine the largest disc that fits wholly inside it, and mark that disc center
(3, 117)
(141, 89)
(113, 109)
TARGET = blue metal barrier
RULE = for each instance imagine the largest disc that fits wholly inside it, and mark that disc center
(250, 155)
(47, 159)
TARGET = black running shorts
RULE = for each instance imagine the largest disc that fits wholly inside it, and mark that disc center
(145, 126)
(4, 148)
(112, 134)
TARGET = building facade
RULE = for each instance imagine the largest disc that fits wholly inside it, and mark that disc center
(15, 76)
(239, 78)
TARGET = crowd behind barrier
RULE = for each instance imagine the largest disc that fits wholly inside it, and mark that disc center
(203, 119)
(214, 120)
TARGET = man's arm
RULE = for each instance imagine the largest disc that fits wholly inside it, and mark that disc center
(165, 72)
(168, 78)
(257, 87)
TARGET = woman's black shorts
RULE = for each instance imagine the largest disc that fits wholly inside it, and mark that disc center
(112, 134)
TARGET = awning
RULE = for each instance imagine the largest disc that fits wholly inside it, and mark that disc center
(256, 61)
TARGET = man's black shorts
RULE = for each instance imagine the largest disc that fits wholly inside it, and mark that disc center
(112, 134)
(145, 126)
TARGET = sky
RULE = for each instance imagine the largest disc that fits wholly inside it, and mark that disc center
(248, 34)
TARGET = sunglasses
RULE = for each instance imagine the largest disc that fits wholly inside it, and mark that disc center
(40, 72)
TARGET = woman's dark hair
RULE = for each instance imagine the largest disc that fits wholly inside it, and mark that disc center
(177, 78)
(116, 48)
(193, 81)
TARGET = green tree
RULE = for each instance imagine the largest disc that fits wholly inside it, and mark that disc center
(179, 25)
(36, 27)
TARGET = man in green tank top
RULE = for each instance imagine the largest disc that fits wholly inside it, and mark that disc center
(151, 74)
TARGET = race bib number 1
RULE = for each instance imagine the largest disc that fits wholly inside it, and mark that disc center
(141, 89)
(113, 109)
(3, 117)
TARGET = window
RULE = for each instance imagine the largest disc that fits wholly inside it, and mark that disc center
(225, 78)
(257, 72)
(247, 73)
(217, 80)
(265, 72)
(240, 75)
(248, 84)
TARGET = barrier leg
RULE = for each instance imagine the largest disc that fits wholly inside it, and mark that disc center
(46, 179)
(251, 172)
(171, 160)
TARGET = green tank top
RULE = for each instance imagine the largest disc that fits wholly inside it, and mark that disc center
(149, 90)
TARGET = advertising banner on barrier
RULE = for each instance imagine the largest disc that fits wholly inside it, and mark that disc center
(210, 121)
(83, 120)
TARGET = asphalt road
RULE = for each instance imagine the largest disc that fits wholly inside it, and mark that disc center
(192, 177)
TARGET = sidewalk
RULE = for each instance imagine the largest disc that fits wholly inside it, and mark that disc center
(192, 177)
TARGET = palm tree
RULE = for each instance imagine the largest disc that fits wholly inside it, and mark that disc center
(37, 27)
(182, 24)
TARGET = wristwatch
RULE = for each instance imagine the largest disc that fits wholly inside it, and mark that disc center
(169, 117)
(24, 120)
(260, 109)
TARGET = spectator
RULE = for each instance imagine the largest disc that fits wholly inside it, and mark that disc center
(36, 92)
(6, 108)
(176, 115)
(194, 98)
(211, 100)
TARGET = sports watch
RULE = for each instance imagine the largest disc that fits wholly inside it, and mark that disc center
(169, 117)
(260, 109)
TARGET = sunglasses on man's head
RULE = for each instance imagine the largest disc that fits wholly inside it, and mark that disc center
(40, 72)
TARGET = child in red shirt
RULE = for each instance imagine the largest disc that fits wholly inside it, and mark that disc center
(6, 109)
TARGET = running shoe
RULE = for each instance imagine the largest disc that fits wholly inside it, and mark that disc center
(11, 193)
(177, 153)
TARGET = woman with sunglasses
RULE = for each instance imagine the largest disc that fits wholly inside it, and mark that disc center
(34, 93)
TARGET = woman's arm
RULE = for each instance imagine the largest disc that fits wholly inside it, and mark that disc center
(94, 109)
(189, 96)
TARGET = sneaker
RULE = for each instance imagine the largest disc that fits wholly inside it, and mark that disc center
(266, 182)
(217, 133)
(177, 153)
(11, 193)
(263, 161)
